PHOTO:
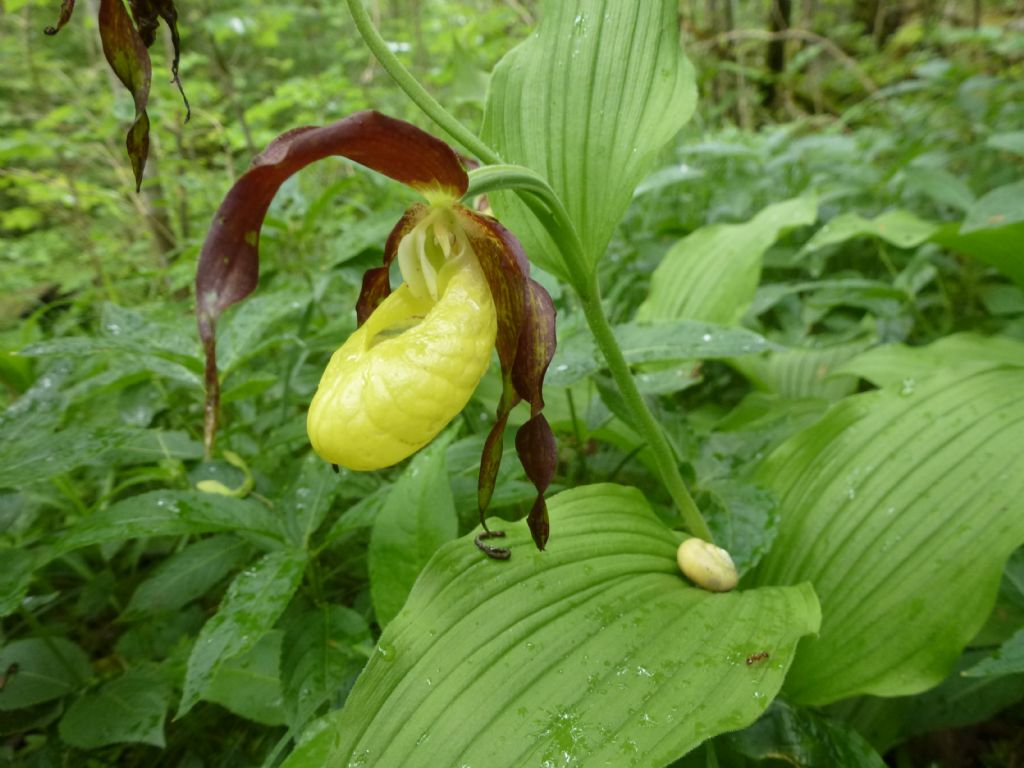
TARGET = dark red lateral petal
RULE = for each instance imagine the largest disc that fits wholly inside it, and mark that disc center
(505, 266)
(490, 459)
(536, 346)
(229, 263)
(538, 452)
(127, 55)
(67, 7)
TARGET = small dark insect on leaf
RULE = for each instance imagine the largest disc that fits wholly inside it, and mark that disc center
(12, 670)
(336, 468)
(756, 658)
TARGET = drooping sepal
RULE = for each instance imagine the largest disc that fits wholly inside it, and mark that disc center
(526, 344)
(228, 268)
(538, 453)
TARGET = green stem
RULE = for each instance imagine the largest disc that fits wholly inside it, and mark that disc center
(405, 80)
(648, 427)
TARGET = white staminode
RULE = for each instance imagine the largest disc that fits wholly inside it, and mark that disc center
(435, 241)
(707, 566)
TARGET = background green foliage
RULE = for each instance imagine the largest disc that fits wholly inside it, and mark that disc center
(870, 189)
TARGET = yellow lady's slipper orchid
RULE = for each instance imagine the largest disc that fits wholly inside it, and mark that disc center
(413, 365)
(420, 351)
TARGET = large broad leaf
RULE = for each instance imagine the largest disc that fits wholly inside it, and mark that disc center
(712, 274)
(587, 102)
(254, 601)
(595, 652)
(901, 508)
(417, 518)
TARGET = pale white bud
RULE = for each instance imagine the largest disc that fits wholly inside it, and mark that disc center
(706, 565)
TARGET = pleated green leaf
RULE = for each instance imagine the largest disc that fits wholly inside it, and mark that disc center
(712, 274)
(588, 101)
(595, 652)
(901, 508)
(897, 365)
(800, 373)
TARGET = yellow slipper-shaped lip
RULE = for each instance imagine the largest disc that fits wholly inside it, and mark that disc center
(406, 373)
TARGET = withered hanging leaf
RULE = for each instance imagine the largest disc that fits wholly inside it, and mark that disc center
(229, 263)
(67, 7)
(147, 14)
(127, 55)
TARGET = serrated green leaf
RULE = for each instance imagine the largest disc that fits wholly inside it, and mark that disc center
(250, 684)
(901, 509)
(712, 274)
(130, 708)
(319, 657)
(592, 652)
(804, 739)
(1007, 141)
(587, 102)
(417, 518)
(242, 329)
(38, 669)
(897, 227)
(170, 513)
(999, 208)
(254, 601)
(307, 499)
(188, 574)
(34, 456)
(15, 577)
(577, 357)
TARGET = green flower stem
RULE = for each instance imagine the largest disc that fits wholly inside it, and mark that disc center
(550, 210)
(405, 80)
(646, 424)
